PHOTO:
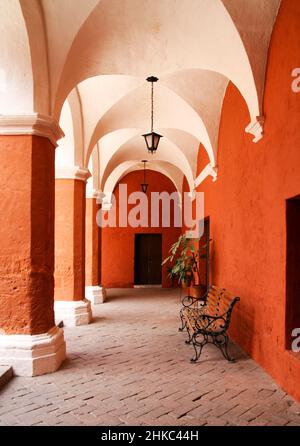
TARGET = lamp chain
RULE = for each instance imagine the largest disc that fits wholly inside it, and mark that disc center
(151, 106)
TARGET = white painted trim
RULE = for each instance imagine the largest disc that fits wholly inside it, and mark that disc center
(95, 294)
(105, 199)
(106, 206)
(33, 355)
(31, 124)
(73, 312)
(256, 128)
(208, 170)
(72, 173)
(94, 193)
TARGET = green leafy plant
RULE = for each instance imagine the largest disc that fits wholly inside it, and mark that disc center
(184, 260)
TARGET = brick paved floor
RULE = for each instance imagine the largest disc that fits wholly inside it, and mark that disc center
(131, 367)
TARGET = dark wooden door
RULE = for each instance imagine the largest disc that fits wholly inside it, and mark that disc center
(148, 258)
(292, 311)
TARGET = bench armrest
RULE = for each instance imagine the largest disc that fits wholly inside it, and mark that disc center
(188, 301)
(204, 321)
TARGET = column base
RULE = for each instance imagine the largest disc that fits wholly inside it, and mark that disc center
(95, 294)
(33, 355)
(73, 312)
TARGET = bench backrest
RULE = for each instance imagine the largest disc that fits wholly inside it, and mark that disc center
(220, 302)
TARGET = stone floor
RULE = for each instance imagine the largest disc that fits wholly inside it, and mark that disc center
(131, 367)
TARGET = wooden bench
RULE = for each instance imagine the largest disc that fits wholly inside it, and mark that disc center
(207, 320)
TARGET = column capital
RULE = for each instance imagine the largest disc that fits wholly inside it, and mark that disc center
(31, 124)
(93, 193)
(72, 173)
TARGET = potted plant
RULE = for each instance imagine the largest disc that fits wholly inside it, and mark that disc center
(184, 259)
(180, 271)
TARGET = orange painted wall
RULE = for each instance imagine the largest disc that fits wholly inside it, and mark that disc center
(26, 234)
(118, 243)
(246, 205)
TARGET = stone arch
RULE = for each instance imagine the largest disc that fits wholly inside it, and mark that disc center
(130, 166)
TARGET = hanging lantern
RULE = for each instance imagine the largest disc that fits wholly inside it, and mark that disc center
(152, 138)
(144, 185)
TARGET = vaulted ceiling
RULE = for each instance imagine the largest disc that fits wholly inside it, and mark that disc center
(85, 64)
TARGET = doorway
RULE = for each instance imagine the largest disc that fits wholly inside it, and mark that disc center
(148, 259)
(292, 315)
(204, 255)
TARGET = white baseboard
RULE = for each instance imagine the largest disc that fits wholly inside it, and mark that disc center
(95, 294)
(73, 312)
(33, 355)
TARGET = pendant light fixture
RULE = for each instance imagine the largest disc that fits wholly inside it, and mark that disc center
(144, 185)
(152, 138)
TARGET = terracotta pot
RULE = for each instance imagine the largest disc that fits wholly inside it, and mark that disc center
(186, 283)
(198, 290)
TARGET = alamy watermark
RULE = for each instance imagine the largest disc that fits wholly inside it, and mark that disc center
(296, 342)
(156, 209)
(296, 82)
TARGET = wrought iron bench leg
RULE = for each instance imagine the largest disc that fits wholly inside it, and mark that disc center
(222, 344)
(198, 346)
(183, 322)
(189, 340)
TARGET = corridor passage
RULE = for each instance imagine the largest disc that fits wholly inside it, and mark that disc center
(131, 367)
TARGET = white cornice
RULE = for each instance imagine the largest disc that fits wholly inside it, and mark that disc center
(72, 173)
(31, 124)
(256, 128)
(208, 170)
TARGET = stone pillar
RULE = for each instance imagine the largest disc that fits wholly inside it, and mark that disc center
(29, 340)
(94, 292)
(71, 307)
